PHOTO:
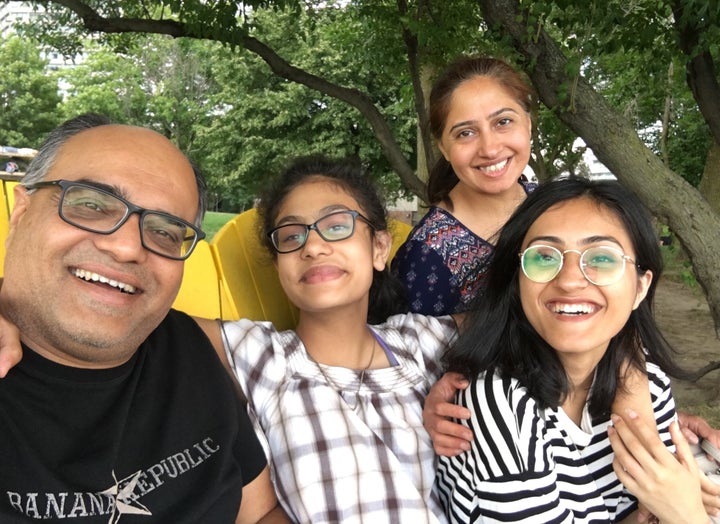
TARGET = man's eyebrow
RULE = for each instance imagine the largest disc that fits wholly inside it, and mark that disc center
(115, 190)
(119, 192)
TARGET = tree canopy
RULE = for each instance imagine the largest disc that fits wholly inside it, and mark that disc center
(28, 95)
(635, 80)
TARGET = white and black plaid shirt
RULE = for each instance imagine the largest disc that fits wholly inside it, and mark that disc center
(331, 463)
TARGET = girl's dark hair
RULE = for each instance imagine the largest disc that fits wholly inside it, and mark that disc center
(386, 292)
(499, 338)
(442, 178)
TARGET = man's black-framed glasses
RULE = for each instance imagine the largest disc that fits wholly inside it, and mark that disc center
(93, 209)
(335, 226)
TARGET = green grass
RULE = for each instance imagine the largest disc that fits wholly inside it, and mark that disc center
(214, 221)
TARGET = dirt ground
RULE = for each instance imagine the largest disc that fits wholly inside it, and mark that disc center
(684, 317)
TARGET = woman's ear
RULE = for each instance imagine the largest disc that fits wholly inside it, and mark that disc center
(644, 282)
(382, 243)
(442, 150)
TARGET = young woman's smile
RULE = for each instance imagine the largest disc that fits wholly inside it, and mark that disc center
(571, 313)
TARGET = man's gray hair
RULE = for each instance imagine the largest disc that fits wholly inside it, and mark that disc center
(44, 160)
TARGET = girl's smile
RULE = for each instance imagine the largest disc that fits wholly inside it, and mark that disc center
(324, 275)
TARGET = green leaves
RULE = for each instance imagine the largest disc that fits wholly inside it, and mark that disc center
(28, 96)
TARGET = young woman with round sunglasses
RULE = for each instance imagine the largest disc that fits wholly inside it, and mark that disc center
(567, 306)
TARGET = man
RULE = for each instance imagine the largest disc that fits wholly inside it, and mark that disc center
(120, 410)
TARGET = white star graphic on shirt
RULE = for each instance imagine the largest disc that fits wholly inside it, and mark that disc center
(123, 493)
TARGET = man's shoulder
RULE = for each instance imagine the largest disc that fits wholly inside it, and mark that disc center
(179, 341)
(178, 326)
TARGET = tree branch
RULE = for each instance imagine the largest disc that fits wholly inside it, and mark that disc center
(93, 21)
(700, 373)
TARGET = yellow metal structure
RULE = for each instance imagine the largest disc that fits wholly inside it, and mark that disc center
(8, 203)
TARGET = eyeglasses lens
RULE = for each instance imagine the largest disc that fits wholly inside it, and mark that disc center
(541, 263)
(92, 209)
(337, 226)
(600, 265)
(331, 228)
(102, 212)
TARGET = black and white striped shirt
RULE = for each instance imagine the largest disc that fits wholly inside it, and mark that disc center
(532, 465)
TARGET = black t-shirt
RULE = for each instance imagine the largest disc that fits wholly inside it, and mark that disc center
(164, 438)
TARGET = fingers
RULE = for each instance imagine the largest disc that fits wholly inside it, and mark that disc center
(641, 444)
(623, 458)
(668, 486)
(696, 428)
(448, 386)
(449, 438)
(682, 448)
(711, 493)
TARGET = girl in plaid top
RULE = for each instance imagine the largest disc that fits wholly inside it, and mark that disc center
(339, 399)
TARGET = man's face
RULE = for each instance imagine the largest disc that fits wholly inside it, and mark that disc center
(67, 289)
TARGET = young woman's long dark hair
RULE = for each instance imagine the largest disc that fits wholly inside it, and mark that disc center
(387, 295)
(498, 337)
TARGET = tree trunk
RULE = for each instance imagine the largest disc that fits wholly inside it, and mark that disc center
(710, 183)
(617, 145)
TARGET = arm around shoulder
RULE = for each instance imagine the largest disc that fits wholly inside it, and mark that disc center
(259, 503)
(213, 331)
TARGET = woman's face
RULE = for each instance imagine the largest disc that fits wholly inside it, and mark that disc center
(574, 316)
(486, 136)
(324, 275)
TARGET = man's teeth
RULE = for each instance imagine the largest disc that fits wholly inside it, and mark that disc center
(495, 167)
(94, 277)
(573, 309)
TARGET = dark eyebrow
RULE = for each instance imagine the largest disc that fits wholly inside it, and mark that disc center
(585, 241)
(118, 192)
(115, 190)
(294, 219)
(491, 115)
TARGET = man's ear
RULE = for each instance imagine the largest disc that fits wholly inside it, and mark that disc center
(382, 243)
(22, 200)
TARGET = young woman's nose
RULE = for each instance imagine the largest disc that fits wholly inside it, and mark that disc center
(570, 275)
(489, 145)
(315, 244)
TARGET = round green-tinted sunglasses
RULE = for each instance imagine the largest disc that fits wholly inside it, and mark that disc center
(601, 265)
